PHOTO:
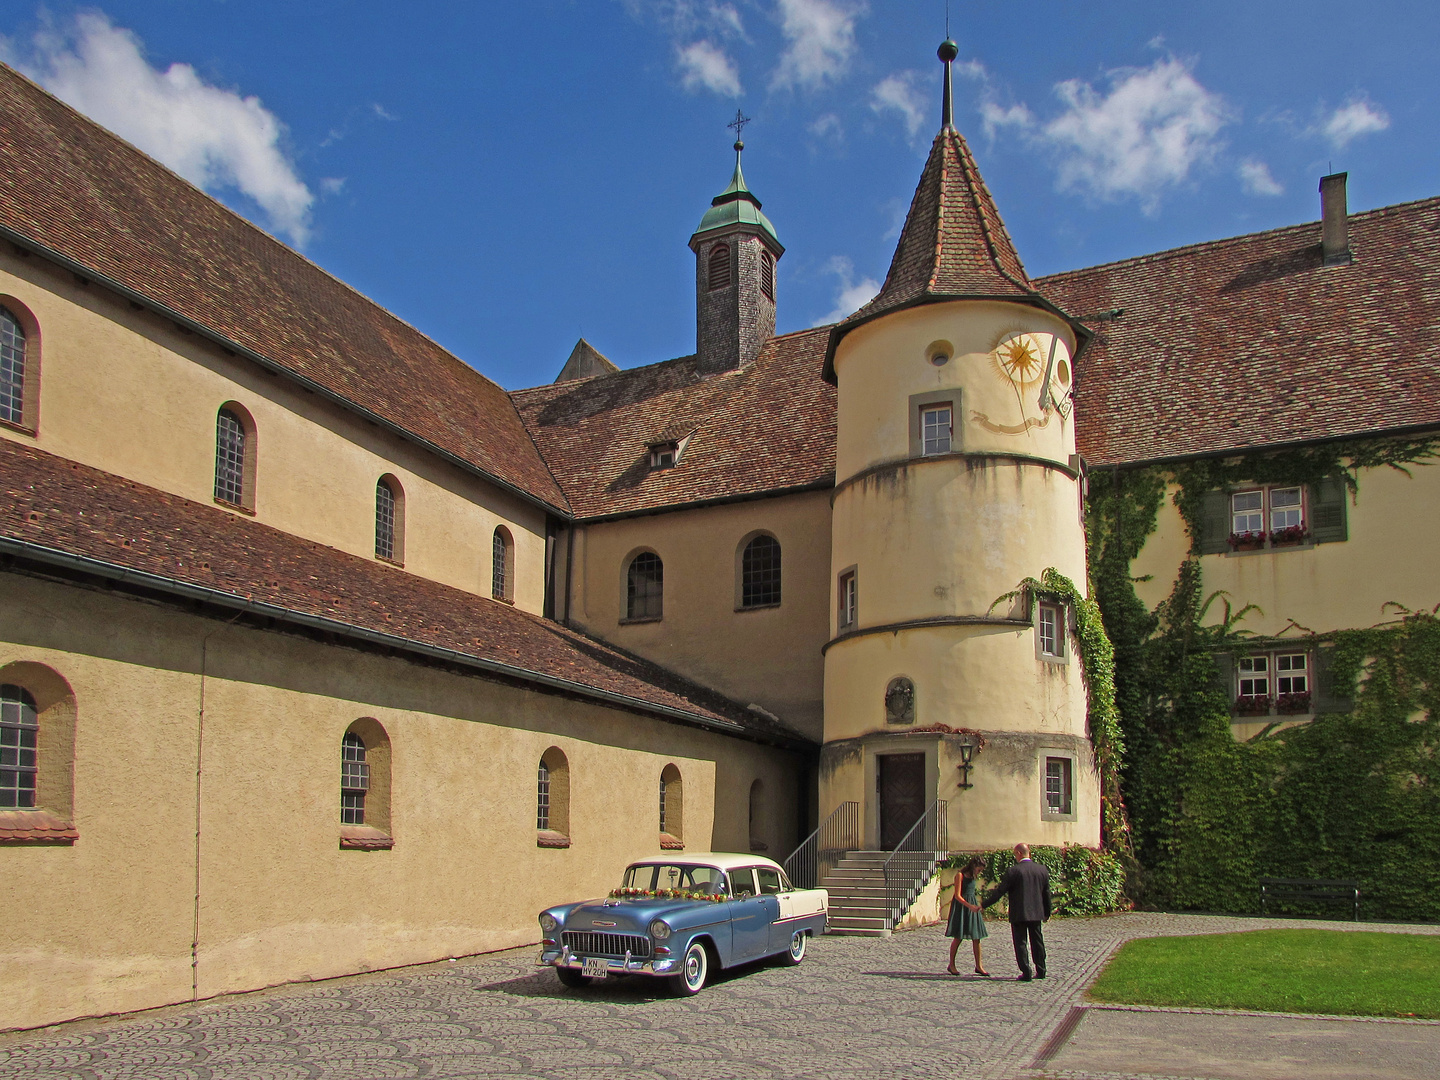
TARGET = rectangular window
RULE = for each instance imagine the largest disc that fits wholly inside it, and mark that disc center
(743, 882)
(1292, 676)
(1058, 799)
(1254, 676)
(1268, 516)
(663, 457)
(847, 600)
(935, 429)
(1050, 624)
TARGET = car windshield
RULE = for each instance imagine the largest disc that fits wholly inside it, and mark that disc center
(653, 876)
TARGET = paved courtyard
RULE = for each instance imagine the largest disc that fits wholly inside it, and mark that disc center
(857, 1008)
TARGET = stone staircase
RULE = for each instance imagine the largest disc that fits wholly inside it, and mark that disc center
(856, 885)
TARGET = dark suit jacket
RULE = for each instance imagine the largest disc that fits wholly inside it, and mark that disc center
(1027, 884)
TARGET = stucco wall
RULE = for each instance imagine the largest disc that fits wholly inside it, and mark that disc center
(1392, 525)
(125, 391)
(278, 899)
(769, 656)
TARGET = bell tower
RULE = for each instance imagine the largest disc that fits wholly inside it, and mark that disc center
(735, 254)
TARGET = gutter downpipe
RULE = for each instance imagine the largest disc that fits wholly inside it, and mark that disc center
(122, 574)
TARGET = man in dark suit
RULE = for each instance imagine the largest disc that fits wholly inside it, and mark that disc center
(1027, 884)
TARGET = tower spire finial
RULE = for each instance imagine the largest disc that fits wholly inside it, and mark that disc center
(738, 126)
(947, 52)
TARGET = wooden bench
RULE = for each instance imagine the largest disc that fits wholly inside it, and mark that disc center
(1345, 892)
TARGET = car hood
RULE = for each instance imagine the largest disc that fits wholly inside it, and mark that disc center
(629, 916)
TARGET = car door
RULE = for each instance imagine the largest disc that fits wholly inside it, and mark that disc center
(751, 915)
(772, 888)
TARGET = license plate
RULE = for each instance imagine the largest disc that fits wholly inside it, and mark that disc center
(596, 967)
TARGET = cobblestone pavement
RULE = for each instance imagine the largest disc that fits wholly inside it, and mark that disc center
(857, 1008)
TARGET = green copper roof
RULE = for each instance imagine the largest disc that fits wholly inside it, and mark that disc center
(736, 205)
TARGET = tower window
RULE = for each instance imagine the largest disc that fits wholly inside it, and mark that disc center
(1050, 630)
(936, 426)
(719, 267)
(1058, 782)
(767, 275)
(847, 605)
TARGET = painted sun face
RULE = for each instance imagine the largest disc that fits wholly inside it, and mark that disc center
(1021, 360)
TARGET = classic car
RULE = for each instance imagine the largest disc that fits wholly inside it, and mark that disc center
(679, 917)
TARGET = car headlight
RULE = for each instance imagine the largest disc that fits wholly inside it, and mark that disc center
(659, 930)
(548, 922)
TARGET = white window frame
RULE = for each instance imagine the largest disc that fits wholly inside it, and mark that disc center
(847, 599)
(1066, 811)
(1053, 647)
(1273, 674)
(1267, 510)
(943, 440)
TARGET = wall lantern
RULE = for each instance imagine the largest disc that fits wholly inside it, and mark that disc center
(968, 745)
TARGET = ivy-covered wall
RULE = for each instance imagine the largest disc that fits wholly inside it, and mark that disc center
(1348, 795)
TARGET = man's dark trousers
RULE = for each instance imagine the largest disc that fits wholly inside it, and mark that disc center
(1027, 884)
(1028, 933)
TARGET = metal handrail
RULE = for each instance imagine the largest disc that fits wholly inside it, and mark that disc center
(819, 853)
(909, 866)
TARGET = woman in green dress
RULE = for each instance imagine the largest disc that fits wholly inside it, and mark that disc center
(966, 919)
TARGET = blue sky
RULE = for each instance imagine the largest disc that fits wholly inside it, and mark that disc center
(511, 176)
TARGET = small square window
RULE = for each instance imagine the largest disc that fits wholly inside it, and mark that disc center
(936, 426)
(663, 457)
(1254, 676)
(1285, 509)
(1050, 627)
(1247, 510)
(1059, 799)
(1292, 676)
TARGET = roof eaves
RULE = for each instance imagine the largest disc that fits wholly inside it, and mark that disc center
(120, 574)
(214, 336)
(1398, 432)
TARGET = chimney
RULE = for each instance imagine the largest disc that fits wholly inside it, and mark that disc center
(1334, 220)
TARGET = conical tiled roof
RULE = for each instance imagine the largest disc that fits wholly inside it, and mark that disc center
(953, 245)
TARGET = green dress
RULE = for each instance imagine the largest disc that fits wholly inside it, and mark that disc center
(965, 923)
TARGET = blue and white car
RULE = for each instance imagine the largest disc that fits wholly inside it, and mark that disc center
(679, 917)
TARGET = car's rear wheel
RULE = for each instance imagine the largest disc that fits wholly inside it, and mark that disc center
(796, 952)
(572, 978)
(693, 971)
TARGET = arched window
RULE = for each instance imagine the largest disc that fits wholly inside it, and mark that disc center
(645, 587)
(757, 817)
(12, 368)
(365, 787)
(234, 457)
(719, 267)
(19, 745)
(37, 755)
(672, 809)
(389, 519)
(760, 572)
(502, 565)
(767, 275)
(552, 800)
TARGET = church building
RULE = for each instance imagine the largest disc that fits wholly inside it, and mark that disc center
(324, 654)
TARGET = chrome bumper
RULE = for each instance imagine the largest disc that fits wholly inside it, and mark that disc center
(566, 959)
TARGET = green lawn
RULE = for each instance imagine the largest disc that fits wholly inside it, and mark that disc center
(1308, 971)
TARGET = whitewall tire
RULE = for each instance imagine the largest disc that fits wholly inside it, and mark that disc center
(796, 951)
(694, 969)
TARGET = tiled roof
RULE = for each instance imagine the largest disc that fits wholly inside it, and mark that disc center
(72, 508)
(1250, 342)
(953, 241)
(768, 426)
(71, 187)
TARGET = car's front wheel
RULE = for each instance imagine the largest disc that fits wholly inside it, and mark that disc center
(572, 978)
(796, 951)
(693, 971)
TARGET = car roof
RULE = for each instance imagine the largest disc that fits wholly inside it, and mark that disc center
(721, 860)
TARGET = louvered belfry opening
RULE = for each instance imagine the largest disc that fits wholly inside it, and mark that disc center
(720, 275)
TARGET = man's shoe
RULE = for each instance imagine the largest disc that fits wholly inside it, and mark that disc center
(1039, 973)
(1023, 978)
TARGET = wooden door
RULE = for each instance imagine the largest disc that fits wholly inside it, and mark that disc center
(900, 779)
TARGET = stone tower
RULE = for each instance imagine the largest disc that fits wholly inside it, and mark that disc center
(735, 254)
(956, 478)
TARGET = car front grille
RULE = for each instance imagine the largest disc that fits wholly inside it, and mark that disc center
(594, 943)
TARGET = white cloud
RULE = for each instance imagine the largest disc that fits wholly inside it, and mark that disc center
(332, 185)
(850, 295)
(820, 41)
(994, 116)
(1255, 178)
(899, 93)
(1154, 127)
(1358, 116)
(705, 66)
(214, 138)
(828, 126)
